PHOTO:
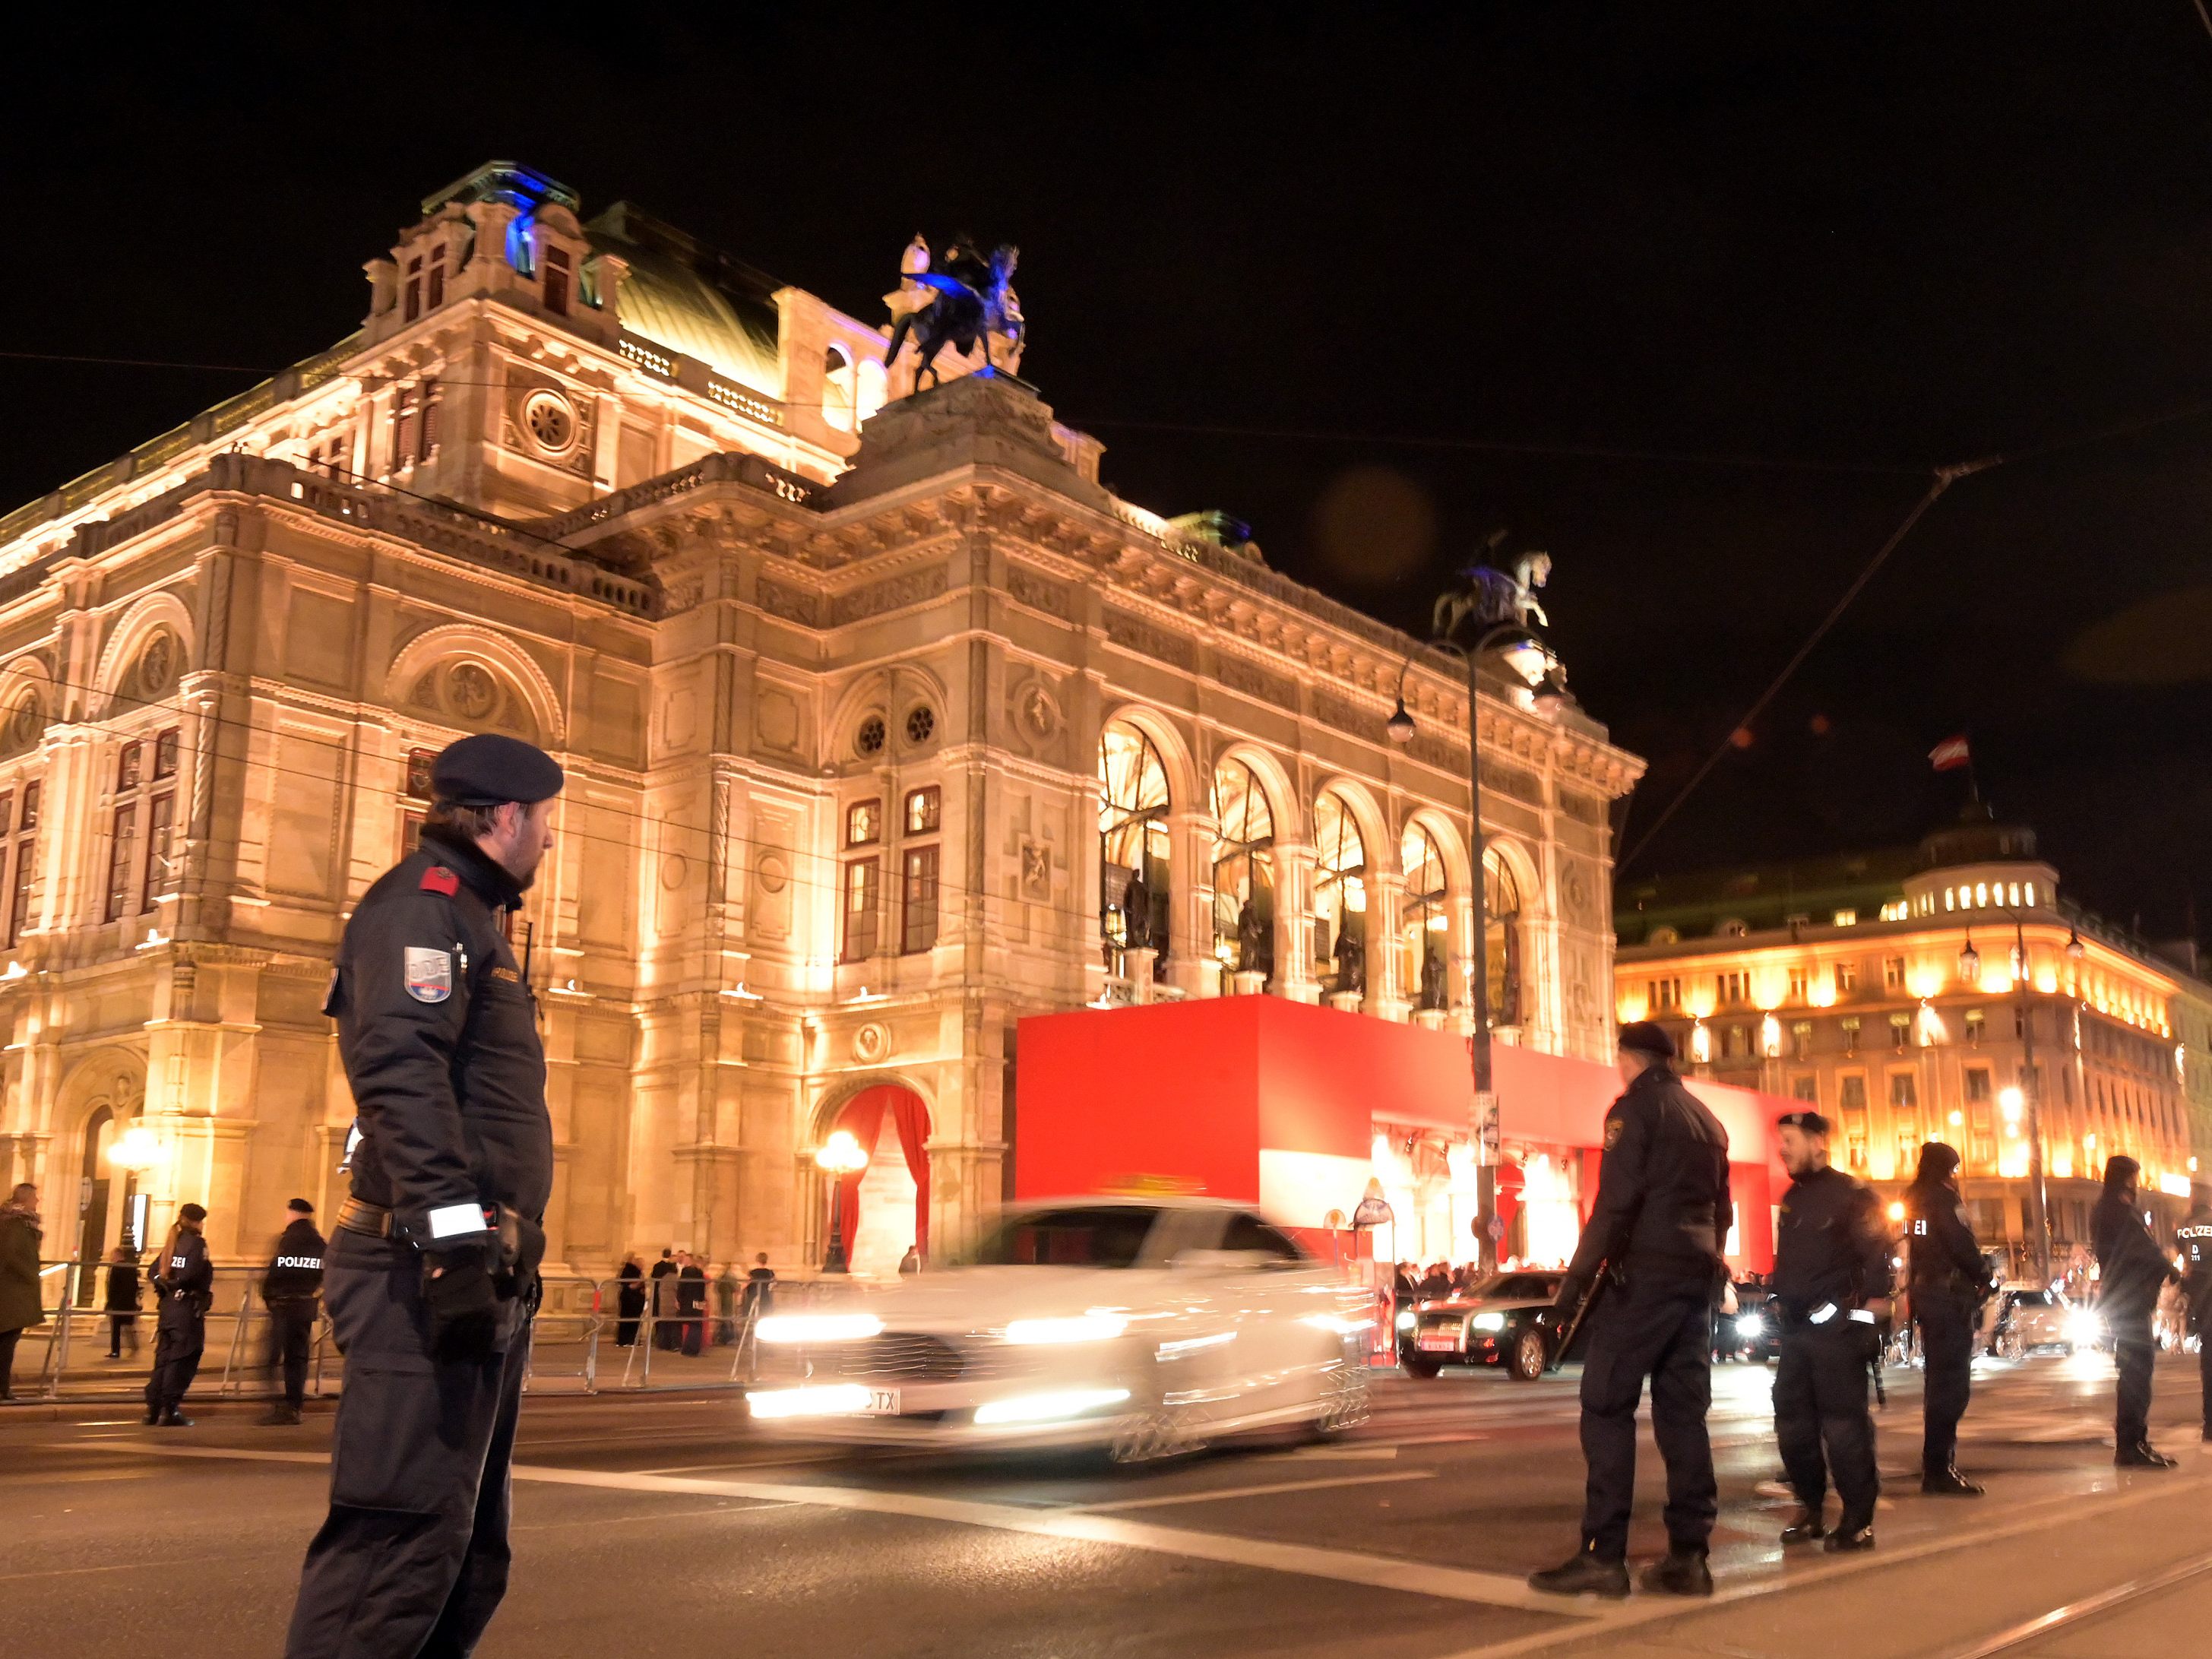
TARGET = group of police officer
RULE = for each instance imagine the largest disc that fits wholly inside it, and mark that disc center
(1648, 1274)
(430, 1277)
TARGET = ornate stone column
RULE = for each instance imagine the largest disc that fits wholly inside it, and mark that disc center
(1387, 995)
(1294, 886)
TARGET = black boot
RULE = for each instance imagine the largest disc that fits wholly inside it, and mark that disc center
(173, 1419)
(1583, 1574)
(1679, 1572)
(1947, 1483)
(153, 1415)
(279, 1415)
(1851, 1535)
(2143, 1456)
(1805, 1529)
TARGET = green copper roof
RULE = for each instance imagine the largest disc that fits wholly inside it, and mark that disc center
(692, 300)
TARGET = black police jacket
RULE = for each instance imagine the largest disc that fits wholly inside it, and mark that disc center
(2193, 1239)
(183, 1275)
(1661, 1210)
(294, 1278)
(2130, 1271)
(439, 1036)
(1944, 1256)
(1831, 1248)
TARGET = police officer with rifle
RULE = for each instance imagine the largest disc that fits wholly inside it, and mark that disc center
(1946, 1280)
(1831, 1284)
(1655, 1230)
(431, 1274)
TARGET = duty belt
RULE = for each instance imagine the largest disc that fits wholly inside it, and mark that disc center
(359, 1216)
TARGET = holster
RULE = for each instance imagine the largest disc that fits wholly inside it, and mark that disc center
(521, 1247)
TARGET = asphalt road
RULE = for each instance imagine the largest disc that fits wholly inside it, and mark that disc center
(665, 1526)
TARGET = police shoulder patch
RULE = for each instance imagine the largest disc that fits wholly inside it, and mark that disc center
(439, 879)
(429, 973)
(1614, 1128)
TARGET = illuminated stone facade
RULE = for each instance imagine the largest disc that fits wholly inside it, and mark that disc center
(1848, 984)
(833, 733)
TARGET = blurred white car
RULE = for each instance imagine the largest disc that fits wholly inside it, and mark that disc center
(2029, 1319)
(1145, 1327)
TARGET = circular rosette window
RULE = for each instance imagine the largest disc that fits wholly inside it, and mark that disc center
(548, 421)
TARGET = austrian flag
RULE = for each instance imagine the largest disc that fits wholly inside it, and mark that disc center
(1950, 755)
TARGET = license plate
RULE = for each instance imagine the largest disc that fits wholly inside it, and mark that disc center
(1441, 1341)
(883, 1403)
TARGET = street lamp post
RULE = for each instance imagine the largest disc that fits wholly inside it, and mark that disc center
(1529, 659)
(2030, 1086)
(838, 1156)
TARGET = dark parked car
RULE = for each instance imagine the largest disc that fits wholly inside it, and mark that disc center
(1507, 1320)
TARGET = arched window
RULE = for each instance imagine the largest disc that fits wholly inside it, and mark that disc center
(837, 388)
(1339, 894)
(1425, 923)
(1501, 911)
(1243, 871)
(1133, 843)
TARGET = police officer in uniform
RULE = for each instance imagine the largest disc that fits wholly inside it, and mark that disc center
(431, 1274)
(2193, 1239)
(1946, 1277)
(1831, 1284)
(1655, 1229)
(2131, 1272)
(292, 1289)
(184, 1280)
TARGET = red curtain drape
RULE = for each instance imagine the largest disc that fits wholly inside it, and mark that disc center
(863, 1119)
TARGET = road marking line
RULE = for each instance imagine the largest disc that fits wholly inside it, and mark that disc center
(1332, 1455)
(1227, 1492)
(2032, 1519)
(1344, 1566)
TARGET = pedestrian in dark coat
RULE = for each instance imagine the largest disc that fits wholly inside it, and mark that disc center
(691, 1302)
(1655, 1230)
(121, 1302)
(20, 1237)
(630, 1302)
(2131, 1272)
(664, 1332)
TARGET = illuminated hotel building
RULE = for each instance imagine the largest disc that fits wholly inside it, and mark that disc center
(885, 724)
(1885, 989)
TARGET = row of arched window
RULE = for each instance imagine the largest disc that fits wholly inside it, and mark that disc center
(1137, 880)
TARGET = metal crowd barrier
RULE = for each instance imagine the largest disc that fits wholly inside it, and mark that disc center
(67, 1356)
(581, 1343)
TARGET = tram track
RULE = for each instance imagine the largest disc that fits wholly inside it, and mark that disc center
(2020, 1637)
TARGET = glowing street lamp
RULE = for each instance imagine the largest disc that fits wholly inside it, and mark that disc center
(838, 1156)
(137, 1149)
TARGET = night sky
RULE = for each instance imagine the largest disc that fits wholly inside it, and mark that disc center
(1378, 285)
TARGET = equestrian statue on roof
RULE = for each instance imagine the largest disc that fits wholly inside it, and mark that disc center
(957, 300)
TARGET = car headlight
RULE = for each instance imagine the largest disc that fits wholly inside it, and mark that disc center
(1092, 1327)
(1749, 1325)
(2083, 1326)
(818, 1328)
(1491, 1322)
(1406, 1320)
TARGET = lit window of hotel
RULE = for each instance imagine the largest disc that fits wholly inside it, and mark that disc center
(1847, 918)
